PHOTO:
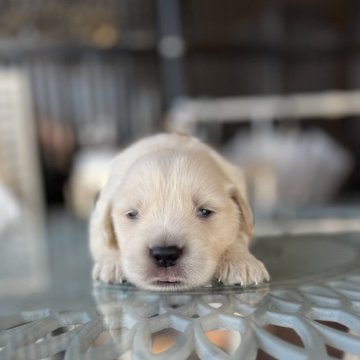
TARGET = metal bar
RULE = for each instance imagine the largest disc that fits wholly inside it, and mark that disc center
(327, 105)
(171, 50)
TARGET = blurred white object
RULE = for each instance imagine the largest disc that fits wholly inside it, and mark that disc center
(19, 158)
(89, 174)
(294, 169)
(9, 208)
(20, 173)
(309, 167)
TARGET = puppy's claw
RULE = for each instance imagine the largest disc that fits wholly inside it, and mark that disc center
(245, 271)
(109, 272)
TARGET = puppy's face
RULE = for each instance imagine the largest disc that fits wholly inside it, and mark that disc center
(173, 216)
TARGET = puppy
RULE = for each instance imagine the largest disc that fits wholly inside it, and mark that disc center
(173, 215)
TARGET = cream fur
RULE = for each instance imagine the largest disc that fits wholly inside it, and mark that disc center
(166, 178)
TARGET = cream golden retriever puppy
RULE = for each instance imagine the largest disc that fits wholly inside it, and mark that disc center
(173, 215)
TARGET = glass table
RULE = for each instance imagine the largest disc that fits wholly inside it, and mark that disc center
(310, 310)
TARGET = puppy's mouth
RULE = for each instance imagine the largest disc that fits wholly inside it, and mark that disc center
(168, 281)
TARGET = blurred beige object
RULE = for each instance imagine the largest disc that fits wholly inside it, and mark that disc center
(20, 173)
(261, 183)
(88, 177)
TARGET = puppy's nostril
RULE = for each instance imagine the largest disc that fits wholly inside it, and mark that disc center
(165, 256)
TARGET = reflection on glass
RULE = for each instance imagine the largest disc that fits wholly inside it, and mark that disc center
(212, 320)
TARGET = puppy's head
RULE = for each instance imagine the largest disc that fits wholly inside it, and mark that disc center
(172, 217)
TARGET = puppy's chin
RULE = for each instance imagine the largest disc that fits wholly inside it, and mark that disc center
(184, 276)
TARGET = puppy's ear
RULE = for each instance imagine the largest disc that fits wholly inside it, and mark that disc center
(246, 216)
(101, 226)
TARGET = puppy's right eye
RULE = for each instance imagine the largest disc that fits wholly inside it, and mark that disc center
(204, 213)
(133, 214)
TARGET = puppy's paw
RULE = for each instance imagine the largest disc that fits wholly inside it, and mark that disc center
(109, 272)
(245, 270)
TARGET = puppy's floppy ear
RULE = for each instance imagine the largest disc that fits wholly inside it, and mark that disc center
(101, 225)
(246, 216)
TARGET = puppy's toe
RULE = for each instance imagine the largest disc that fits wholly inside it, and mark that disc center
(245, 271)
(256, 273)
(109, 272)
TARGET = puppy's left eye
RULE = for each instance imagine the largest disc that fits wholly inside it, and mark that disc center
(204, 213)
(132, 214)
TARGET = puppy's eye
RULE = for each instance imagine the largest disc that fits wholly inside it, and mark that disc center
(204, 213)
(133, 214)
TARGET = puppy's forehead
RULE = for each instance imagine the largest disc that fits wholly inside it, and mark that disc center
(175, 170)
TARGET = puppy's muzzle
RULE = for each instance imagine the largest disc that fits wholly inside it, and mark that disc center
(165, 256)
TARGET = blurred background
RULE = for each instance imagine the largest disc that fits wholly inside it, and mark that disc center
(274, 85)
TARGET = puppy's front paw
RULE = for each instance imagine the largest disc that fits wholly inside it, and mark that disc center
(109, 272)
(245, 270)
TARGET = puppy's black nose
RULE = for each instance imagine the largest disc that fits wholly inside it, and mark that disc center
(165, 256)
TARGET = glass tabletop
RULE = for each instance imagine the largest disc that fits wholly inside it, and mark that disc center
(310, 309)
